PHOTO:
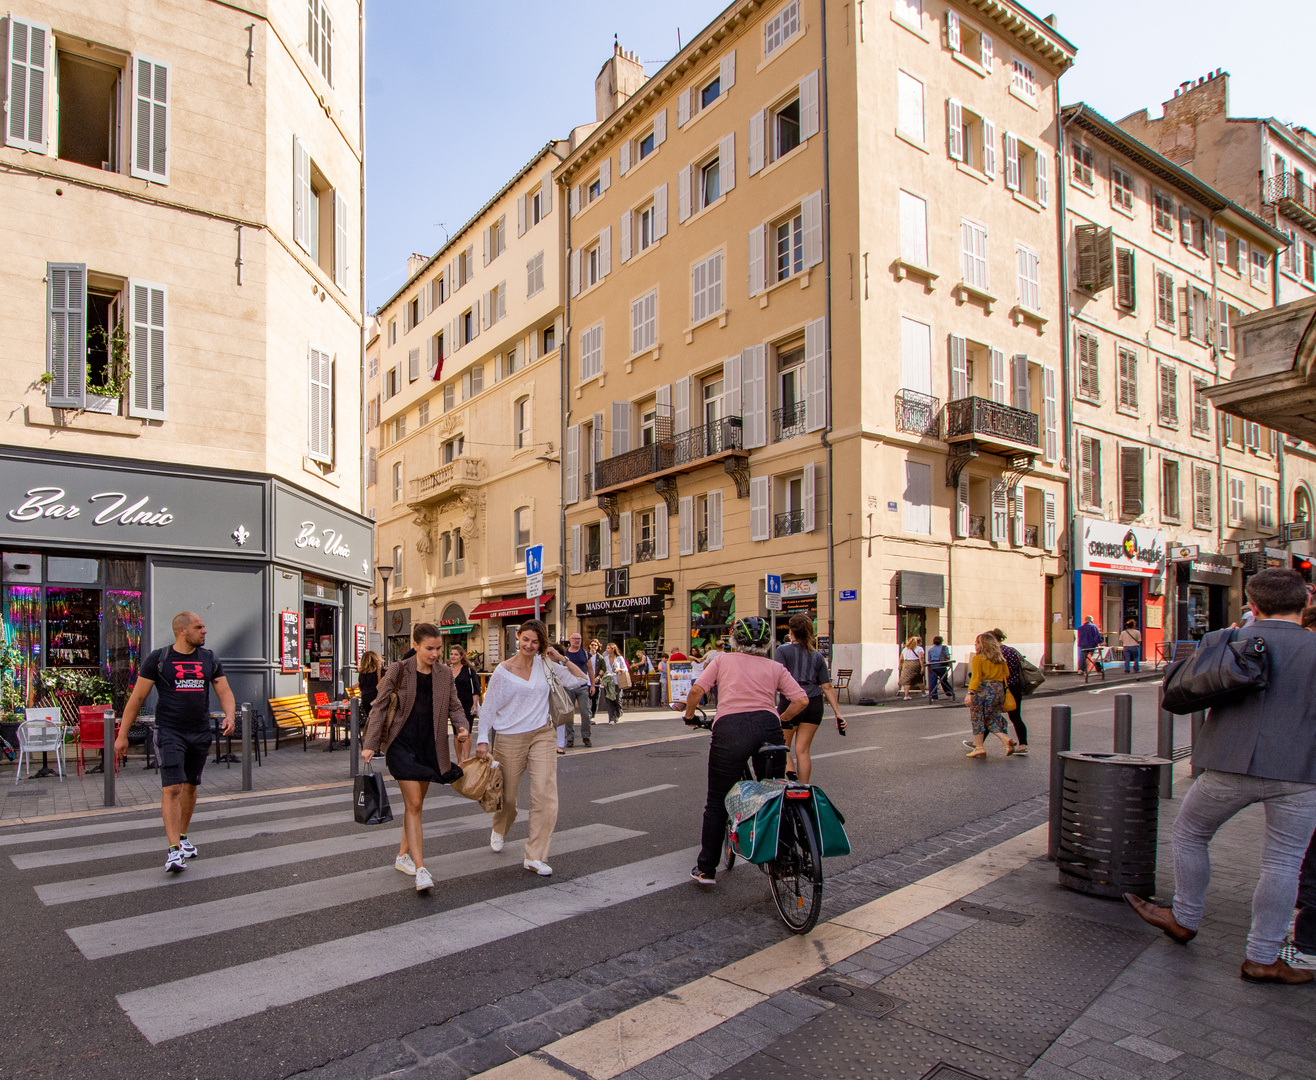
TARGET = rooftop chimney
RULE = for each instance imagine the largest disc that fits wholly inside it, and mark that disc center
(617, 81)
(414, 262)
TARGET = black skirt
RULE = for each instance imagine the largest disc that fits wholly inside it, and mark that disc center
(414, 755)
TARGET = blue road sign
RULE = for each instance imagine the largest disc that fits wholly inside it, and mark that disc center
(534, 560)
(773, 584)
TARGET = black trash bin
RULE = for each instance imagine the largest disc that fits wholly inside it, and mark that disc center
(1108, 823)
(655, 694)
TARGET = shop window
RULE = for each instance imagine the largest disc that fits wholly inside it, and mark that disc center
(712, 613)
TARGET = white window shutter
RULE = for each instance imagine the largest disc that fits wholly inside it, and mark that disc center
(998, 376)
(488, 310)
(66, 330)
(1017, 519)
(999, 512)
(756, 264)
(475, 321)
(321, 411)
(660, 530)
(605, 544)
(732, 387)
(959, 368)
(660, 129)
(27, 82)
(605, 251)
(149, 348)
(485, 233)
(681, 405)
(576, 549)
(546, 195)
(715, 520)
(575, 273)
(1041, 160)
(754, 394)
(626, 549)
(1051, 442)
(809, 106)
(1011, 162)
(989, 148)
(809, 495)
(954, 128)
(605, 175)
(727, 72)
(150, 147)
(953, 29)
(726, 160)
(624, 237)
(502, 303)
(624, 158)
(1049, 520)
(685, 526)
(301, 193)
(812, 225)
(962, 506)
(756, 125)
(683, 194)
(760, 520)
(621, 427)
(660, 211)
(682, 108)
(520, 216)
(575, 200)
(598, 438)
(987, 53)
(340, 241)
(815, 375)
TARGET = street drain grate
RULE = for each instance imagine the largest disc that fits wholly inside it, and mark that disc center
(852, 994)
(987, 914)
(942, 1071)
(672, 753)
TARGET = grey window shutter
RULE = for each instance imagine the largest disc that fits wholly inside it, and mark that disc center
(1011, 162)
(756, 127)
(955, 128)
(809, 495)
(571, 469)
(301, 193)
(811, 213)
(683, 108)
(605, 544)
(546, 195)
(661, 530)
(754, 383)
(621, 427)
(520, 216)
(413, 365)
(760, 512)
(605, 251)
(815, 375)
(962, 506)
(685, 526)
(726, 150)
(683, 193)
(733, 368)
(66, 330)
(575, 549)
(148, 351)
(660, 211)
(959, 368)
(624, 158)
(809, 106)
(727, 71)
(1000, 512)
(624, 237)
(625, 545)
(150, 152)
(756, 265)
(660, 129)
(715, 520)
(605, 175)
(27, 83)
(681, 405)
(321, 411)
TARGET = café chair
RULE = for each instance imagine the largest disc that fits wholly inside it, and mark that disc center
(40, 733)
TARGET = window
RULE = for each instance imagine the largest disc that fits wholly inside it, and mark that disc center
(438, 290)
(1228, 316)
(710, 93)
(374, 367)
(550, 339)
(1130, 481)
(423, 414)
(1025, 169)
(449, 397)
(1023, 79)
(398, 428)
(1089, 455)
(320, 217)
(1169, 489)
(593, 265)
(1198, 323)
(645, 220)
(1203, 499)
(534, 275)
(968, 41)
(1125, 287)
(1162, 212)
(510, 361)
(644, 322)
(1309, 262)
(1201, 408)
(706, 288)
(320, 37)
(1082, 163)
(970, 138)
(649, 426)
(1030, 286)
(538, 205)
(495, 239)
(1237, 495)
(710, 182)
(910, 117)
(785, 129)
(1128, 381)
(790, 391)
(521, 422)
(453, 449)
(913, 229)
(788, 246)
(397, 566)
(466, 326)
(591, 352)
(973, 243)
(521, 530)
(1121, 188)
(595, 189)
(445, 548)
(1089, 371)
(472, 382)
(1260, 273)
(713, 400)
(436, 353)
(392, 331)
(1165, 299)
(781, 28)
(646, 146)
(1265, 506)
(414, 314)
(1167, 394)
(397, 495)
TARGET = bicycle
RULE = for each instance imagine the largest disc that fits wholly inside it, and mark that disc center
(796, 874)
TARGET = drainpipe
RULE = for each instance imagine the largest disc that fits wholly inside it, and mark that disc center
(1066, 395)
(361, 139)
(827, 348)
(564, 361)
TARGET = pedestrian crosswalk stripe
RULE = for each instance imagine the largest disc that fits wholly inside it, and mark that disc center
(174, 1009)
(842, 753)
(119, 936)
(635, 794)
(97, 886)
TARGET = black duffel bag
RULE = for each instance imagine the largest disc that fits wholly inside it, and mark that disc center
(370, 799)
(1224, 669)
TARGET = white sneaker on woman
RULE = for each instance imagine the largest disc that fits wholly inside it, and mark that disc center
(404, 863)
(423, 880)
(540, 868)
(496, 841)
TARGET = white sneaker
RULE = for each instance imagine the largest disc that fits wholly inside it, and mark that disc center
(187, 848)
(423, 880)
(496, 841)
(404, 863)
(175, 863)
(540, 868)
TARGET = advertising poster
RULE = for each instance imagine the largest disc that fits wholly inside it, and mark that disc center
(290, 642)
(680, 675)
(360, 646)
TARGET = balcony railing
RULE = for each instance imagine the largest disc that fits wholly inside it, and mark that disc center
(646, 551)
(1294, 197)
(592, 561)
(455, 474)
(788, 422)
(991, 423)
(978, 527)
(919, 414)
(718, 438)
(788, 524)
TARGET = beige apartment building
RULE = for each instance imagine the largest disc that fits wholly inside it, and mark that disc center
(811, 318)
(181, 321)
(1161, 268)
(464, 415)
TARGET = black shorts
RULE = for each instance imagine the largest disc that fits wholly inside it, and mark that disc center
(181, 754)
(812, 714)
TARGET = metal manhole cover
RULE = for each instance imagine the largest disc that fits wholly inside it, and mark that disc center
(942, 1071)
(987, 914)
(852, 994)
(672, 753)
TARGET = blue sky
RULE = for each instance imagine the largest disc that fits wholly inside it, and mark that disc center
(459, 96)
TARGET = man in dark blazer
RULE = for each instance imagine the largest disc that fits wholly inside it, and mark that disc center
(1259, 749)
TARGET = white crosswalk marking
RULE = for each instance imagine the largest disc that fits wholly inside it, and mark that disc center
(634, 794)
(841, 753)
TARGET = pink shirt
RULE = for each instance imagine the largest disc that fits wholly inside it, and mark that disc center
(747, 683)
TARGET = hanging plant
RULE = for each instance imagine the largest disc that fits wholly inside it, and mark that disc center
(118, 370)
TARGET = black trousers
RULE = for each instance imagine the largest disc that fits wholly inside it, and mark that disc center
(736, 739)
(1016, 714)
(1304, 933)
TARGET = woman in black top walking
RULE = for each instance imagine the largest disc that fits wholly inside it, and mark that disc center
(367, 678)
(808, 668)
(468, 682)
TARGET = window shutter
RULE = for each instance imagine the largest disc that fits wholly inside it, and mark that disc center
(681, 406)
(301, 194)
(1051, 449)
(989, 147)
(683, 193)
(546, 196)
(575, 200)
(682, 108)
(502, 303)
(715, 520)
(320, 435)
(954, 127)
(150, 154)
(27, 83)
(1130, 481)
(659, 129)
(488, 310)
(605, 251)
(811, 214)
(626, 552)
(1017, 518)
(660, 531)
(660, 211)
(998, 376)
(605, 175)
(815, 375)
(598, 438)
(66, 330)
(624, 237)
(575, 273)
(760, 521)
(1221, 245)
(1041, 159)
(486, 234)
(1185, 226)
(986, 53)
(624, 158)
(685, 526)
(605, 544)
(756, 267)
(621, 427)
(520, 216)
(809, 496)
(1185, 313)
(754, 381)
(575, 549)
(1000, 512)
(148, 350)
(1125, 294)
(756, 123)
(962, 506)
(1049, 520)
(727, 72)
(959, 368)
(809, 106)
(736, 396)
(1011, 162)
(475, 321)
(953, 29)
(726, 161)
(1023, 395)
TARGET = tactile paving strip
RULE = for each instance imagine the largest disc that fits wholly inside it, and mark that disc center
(851, 993)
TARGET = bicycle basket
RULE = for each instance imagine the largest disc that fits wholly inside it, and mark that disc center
(754, 813)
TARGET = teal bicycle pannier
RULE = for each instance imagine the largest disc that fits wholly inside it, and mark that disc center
(829, 825)
(754, 818)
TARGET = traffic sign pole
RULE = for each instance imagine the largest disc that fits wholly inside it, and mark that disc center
(772, 597)
(534, 575)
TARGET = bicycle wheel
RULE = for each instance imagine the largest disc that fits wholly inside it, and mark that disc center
(728, 852)
(796, 872)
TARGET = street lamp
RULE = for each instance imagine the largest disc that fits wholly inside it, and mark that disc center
(385, 572)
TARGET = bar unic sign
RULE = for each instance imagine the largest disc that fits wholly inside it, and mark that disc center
(1109, 547)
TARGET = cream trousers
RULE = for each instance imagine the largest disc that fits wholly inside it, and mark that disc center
(535, 752)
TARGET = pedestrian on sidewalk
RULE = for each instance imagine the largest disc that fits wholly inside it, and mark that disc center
(595, 670)
(911, 664)
(467, 682)
(1301, 951)
(515, 717)
(1131, 643)
(181, 674)
(985, 698)
(939, 665)
(581, 696)
(617, 677)
(808, 667)
(1014, 687)
(409, 724)
(367, 680)
(1259, 748)
(1089, 641)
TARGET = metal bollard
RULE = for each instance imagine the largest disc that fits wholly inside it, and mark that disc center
(112, 755)
(246, 746)
(1061, 735)
(1123, 723)
(1165, 744)
(1199, 718)
(354, 726)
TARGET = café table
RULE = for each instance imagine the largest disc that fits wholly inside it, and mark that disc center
(339, 713)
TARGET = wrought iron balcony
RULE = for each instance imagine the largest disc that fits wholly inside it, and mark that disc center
(592, 561)
(1294, 199)
(978, 527)
(646, 551)
(457, 474)
(721, 438)
(997, 428)
(919, 414)
(788, 422)
(788, 524)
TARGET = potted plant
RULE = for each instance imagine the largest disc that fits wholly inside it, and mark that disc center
(104, 397)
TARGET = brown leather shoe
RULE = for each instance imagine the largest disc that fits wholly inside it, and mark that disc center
(1278, 972)
(1160, 917)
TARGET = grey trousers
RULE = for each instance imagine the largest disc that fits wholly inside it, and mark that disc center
(1290, 817)
(580, 695)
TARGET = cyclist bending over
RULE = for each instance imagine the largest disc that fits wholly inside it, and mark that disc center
(747, 686)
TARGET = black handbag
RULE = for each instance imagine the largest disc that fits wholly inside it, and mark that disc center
(370, 799)
(1222, 670)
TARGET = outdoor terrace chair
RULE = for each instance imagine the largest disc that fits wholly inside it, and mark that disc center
(40, 733)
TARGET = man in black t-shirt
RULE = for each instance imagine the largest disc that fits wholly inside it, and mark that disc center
(181, 675)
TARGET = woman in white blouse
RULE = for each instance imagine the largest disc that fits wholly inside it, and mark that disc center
(515, 714)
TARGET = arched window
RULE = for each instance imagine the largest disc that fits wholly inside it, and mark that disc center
(521, 422)
(521, 530)
(1301, 505)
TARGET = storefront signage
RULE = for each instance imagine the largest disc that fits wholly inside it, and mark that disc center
(919, 590)
(1209, 569)
(1183, 552)
(664, 586)
(1249, 547)
(1109, 547)
(617, 582)
(618, 605)
(330, 541)
(800, 587)
(290, 642)
(399, 622)
(359, 643)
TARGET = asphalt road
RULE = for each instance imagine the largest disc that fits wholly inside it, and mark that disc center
(291, 941)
